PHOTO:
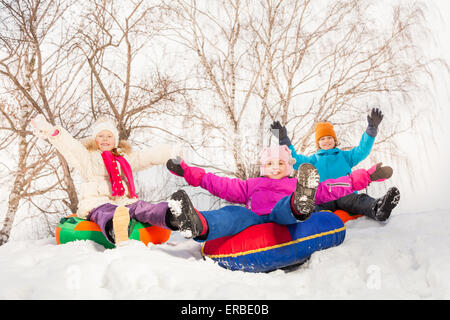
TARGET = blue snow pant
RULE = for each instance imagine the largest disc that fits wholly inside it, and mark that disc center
(231, 220)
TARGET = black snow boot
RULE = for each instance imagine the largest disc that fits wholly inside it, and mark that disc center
(304, 198)
(183, 216)
(384, 205)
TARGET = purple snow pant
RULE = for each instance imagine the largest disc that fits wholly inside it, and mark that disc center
(142, 211)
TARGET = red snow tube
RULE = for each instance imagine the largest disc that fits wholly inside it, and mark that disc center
(269, 246)
(345, 216)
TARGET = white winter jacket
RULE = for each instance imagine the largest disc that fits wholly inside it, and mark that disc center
(87, 159)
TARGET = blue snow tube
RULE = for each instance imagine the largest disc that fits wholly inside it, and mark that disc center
(269, 246)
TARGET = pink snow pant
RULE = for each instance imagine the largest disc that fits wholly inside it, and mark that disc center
(142, 211)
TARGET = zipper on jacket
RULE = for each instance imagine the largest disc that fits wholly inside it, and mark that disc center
(337, 184)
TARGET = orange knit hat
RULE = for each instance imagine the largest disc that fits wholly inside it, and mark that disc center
(324, 129)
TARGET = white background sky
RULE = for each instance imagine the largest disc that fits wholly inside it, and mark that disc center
(431, 162)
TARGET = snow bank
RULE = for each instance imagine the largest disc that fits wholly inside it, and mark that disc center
(407, 258)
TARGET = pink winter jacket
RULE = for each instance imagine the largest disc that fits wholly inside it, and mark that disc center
(261, 194)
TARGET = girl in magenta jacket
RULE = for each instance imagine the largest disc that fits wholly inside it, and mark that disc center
(273, 197)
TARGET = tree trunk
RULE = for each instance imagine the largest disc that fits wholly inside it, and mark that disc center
(16, 191)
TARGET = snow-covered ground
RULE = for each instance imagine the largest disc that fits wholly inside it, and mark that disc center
(407, 258)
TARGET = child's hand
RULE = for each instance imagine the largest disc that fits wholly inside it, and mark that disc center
(41, 128)
(380, 173)
(375, 117)
(281, 132)
(192, 175)
(174, 166)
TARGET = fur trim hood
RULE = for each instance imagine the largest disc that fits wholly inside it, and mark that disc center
(123, 147)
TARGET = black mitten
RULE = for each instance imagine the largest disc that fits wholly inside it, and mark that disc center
(283, 138)
(174, 166)
(374, 119)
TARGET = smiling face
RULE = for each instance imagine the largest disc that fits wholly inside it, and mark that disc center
(275, 169)
(327, 142)
(105, 140)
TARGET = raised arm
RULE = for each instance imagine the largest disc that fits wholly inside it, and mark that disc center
(73, 150)
(332, 189)
(230, 189)
(157, 155)
(280, 131)
(359, 153)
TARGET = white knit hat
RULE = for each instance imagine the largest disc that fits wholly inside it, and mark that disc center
(104, 123)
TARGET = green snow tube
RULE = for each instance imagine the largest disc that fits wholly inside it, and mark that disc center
(73, 228)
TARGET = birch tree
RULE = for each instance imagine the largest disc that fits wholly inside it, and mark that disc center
(299, 61)
(217, 36)
(30, 70)
(333, 61)
(111, 38)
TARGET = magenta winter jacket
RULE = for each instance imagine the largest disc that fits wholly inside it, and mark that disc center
(261, 194)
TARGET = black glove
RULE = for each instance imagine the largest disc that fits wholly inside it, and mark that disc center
(374, 119)
(174, 166)
(282, 133)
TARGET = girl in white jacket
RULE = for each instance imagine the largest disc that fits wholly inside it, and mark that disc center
(107, 195)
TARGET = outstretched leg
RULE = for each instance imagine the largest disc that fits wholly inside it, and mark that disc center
(183, 216)
(304, 197)
(208, 225)
(112, 220)
(384, 205)
(153, 213)
(120, 223)
(378, 209)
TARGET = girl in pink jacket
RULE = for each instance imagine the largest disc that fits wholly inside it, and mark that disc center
(273, 197)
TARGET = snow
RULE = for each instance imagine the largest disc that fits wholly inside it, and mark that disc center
(405, 258)
(175, 207)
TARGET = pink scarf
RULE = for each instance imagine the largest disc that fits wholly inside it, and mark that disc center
(114, 175)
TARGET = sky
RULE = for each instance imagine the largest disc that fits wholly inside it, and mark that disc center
(429, 159)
